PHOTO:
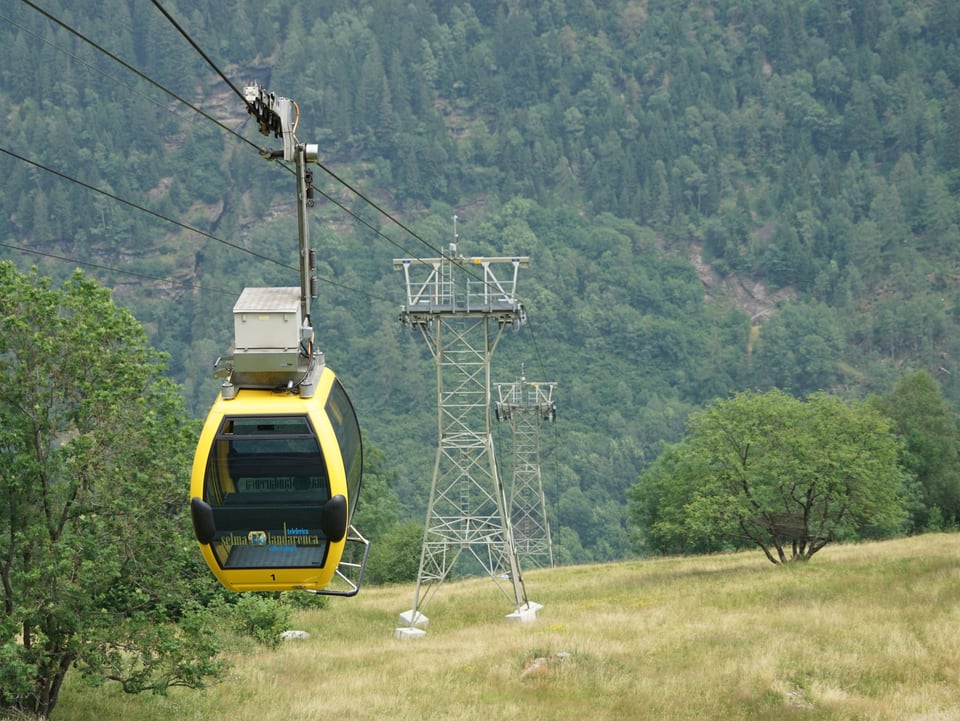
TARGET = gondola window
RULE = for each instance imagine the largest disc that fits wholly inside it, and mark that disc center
(267, 484)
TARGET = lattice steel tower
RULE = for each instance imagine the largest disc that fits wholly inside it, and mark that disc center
(461, 308)
(526, 406)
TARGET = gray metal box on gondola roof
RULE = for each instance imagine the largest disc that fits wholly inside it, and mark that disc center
(267, 318)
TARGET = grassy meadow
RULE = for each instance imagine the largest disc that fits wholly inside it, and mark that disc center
(867, 631)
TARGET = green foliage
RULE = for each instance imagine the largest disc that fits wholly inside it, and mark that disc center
(262, 618)
(799, 350)
(298, 600)
(379, 506)
(787, 475)
(395, 557)
(94, 445)
(184, 653)
(658, 511)
(925, 422)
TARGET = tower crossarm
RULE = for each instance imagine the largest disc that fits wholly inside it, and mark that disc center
(450, 285)
(526, 398)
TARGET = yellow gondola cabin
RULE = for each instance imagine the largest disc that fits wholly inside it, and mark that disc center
(276, 475)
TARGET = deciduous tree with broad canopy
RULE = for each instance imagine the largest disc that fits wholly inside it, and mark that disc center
(787, 475)
(96, 560)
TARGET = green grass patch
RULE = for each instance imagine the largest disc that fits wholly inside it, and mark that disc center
(869, 631)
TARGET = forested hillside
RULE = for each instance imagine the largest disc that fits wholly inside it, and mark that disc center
(715, 195)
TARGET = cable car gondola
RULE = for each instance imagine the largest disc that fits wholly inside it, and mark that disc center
(275, 482)
(276, 475)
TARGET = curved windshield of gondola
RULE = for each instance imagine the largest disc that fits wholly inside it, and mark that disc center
(267, 483)
(345, 426)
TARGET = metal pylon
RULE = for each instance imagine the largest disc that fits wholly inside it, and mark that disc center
(525, 406)
(461, 309)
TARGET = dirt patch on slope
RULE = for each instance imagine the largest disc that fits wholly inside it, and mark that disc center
(752, 297)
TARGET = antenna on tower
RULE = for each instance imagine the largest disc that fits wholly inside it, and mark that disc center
(456, 238)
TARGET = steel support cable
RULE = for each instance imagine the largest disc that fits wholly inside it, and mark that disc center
(131, 204)
(196, 47)
(233, 132)
(191, 106)
(141, 74)
(133, 273)
(323, 167)
(80, 60)
(185, 226)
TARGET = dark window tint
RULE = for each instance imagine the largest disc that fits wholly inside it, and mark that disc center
(347, 429)
(267, 482)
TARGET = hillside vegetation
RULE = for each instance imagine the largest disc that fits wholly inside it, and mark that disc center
(715, 195)
(866, 631)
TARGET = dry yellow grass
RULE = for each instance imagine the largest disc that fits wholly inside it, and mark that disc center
(866, 631)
